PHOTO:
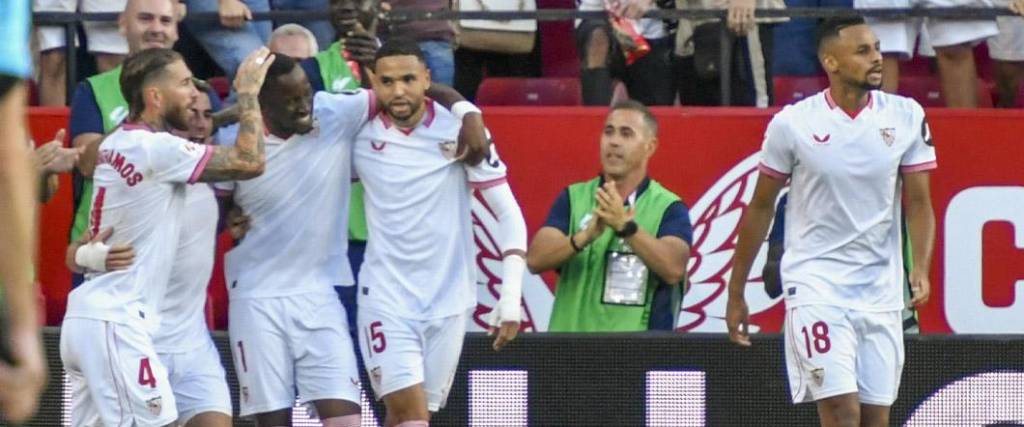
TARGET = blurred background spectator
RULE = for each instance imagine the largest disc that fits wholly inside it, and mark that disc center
(435, 37)
(953, 42)
(635, 51)
(1007, 52)
(293, 40)
(105, 44)
(495, 48)
(751, 76)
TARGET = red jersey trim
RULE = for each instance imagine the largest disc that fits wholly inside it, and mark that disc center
(483, 185)
(919, 167)
(201, 165)
(765, 169)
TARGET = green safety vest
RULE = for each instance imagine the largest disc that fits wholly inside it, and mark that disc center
(337, 77)
(106, 89)
(579, 293)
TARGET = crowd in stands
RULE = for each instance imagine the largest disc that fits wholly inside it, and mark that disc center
(954, 63)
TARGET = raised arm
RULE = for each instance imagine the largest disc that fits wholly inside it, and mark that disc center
(246, 158)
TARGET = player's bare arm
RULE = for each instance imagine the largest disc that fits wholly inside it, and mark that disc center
(753, 229)
(666, 256)
(921, 227)
(551, 247)
(1017, 6)
(247, 158)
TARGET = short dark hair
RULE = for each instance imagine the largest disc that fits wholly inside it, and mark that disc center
(829, 28)
(634, 105)
(139, 69)
(282, 65)
(400, 46)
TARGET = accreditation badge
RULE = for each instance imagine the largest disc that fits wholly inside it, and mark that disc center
(625, 279)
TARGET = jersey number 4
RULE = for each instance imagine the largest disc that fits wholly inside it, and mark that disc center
(818, 334)
(146, 373)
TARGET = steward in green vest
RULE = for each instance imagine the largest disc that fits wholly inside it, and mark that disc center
(620, 241)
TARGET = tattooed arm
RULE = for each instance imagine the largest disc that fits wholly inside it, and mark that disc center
(246, 158)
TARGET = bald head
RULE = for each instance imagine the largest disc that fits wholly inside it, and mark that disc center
(148, 24)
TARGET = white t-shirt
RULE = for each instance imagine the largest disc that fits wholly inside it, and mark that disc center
(183, 323)
(420, 253)
(139, 191)
(843, 221)
(298, 208)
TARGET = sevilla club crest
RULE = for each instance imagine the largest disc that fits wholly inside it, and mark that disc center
(888, 135)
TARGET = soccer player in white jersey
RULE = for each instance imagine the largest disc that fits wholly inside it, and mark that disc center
(847, 153)
(182, 341)
(141, 187)
(417, 283)
(287, 326)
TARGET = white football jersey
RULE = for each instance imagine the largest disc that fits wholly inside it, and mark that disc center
(182, 318)
(420, 254)
(139, 191)
(843, 221)
(298, 208)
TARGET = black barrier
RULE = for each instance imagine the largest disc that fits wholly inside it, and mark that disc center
(69, 19)
(665, 379)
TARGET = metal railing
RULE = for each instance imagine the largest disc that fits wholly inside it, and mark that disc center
(69, 20)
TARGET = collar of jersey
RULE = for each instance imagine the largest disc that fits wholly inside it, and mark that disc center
(832, 105)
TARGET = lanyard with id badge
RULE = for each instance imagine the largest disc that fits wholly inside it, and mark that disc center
(625, 277)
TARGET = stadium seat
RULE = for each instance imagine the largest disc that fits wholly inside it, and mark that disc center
(221, 85)
(790, 89)
(534, 91)
(927, 91)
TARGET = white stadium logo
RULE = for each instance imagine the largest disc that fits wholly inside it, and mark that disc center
(715, 218)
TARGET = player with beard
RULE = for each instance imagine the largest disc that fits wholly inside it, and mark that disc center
(847, 152)
(417, 284)
(107, 339)
(288, 330)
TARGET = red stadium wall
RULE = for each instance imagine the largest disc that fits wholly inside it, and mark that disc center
(705, 156)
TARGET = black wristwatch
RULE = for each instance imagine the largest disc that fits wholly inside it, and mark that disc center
(629, 229)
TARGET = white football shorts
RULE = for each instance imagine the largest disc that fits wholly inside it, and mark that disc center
(198, 381)
(298, 342)
(833, 350)
(399, 353)
(116, 377)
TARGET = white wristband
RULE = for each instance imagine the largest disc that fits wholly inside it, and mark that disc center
(461, 108)
(92, 256)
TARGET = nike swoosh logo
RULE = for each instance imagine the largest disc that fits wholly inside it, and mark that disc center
(821, 139)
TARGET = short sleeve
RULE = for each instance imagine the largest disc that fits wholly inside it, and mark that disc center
(173, 159)
(343, 114)
(312, 69)
(558, 216)
(85, 113)
(488, 173)
(920, 156)
(676, 222)
(776, 150)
